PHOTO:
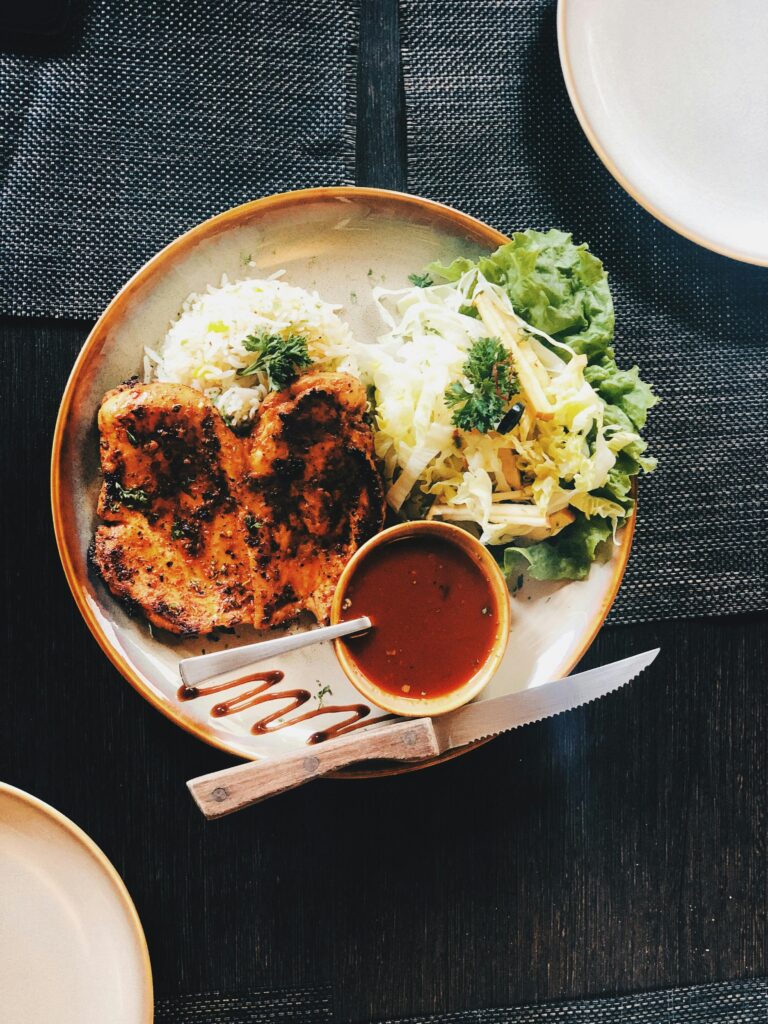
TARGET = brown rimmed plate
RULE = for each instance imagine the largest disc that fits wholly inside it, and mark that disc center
(340, 242)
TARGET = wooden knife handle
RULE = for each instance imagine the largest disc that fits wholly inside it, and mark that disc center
(232, 789)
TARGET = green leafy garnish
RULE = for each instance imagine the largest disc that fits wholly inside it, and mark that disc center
(322, 693)
(183, 530)
(280, 358)
(554, 285)
(491, 385)
(252, 524)
(132, 497)
(421, 280)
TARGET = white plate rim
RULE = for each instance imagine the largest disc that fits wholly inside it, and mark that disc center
(622, 179)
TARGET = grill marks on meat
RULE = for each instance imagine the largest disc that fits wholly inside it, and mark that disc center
(207, 529)
(314, 486)
(174, 544)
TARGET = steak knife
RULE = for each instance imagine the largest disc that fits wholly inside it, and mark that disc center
(413, 739)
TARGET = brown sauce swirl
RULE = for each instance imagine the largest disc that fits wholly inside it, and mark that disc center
(275, 720)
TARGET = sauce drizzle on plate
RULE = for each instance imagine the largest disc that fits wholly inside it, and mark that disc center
(261, 693)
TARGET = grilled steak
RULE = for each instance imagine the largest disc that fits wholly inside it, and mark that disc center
(206, 529)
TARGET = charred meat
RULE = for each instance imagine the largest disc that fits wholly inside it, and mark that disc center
(205, 529)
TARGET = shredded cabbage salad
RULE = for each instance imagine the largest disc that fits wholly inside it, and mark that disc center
(552, 481)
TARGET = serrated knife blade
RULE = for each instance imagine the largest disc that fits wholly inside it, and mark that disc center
(486, 718)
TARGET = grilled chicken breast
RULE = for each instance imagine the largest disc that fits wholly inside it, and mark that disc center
(205, 529)
(315, 492)
(175, 544)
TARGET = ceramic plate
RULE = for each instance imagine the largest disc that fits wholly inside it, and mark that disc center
(672, 97)
(340, 241)
(72, 945)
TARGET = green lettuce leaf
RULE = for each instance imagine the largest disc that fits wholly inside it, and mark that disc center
(566, 556)
(622, 389)
(557, 286)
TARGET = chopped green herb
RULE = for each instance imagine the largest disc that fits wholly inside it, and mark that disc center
(252, 524)
(322, 693)
(184, 529)
(179, 529)
(421, 280)
(280, 358)
(353, 298)
(491, 383)
(246, 260)
(132, 438)
(132, 497)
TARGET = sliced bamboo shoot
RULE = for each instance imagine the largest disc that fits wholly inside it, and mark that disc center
(501, 325)
(518, 515)
(519, 495)
(509, 467)
(463, 515)
(557, 522)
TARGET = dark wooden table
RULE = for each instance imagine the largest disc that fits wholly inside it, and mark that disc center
(621, 847)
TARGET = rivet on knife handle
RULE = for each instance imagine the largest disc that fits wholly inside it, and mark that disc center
(230, 790)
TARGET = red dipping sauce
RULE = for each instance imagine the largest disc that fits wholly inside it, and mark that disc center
(434, 615)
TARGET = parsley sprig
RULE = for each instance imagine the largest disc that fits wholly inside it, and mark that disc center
(421, 280)
(491, 385)
(280, 358)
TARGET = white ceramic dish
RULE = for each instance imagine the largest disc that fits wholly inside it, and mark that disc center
(339, 241)
(672, 96)
(71, 945)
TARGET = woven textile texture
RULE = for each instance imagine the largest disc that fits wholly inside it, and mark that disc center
(160, 115)
(729, 1002)
(491, 130)
(300, 1006)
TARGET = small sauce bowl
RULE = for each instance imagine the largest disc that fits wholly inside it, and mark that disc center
(436, 646)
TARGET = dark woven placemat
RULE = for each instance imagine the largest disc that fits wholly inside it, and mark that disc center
(282, 1006)
(160, 115)
(491, 130)
(728, 1002)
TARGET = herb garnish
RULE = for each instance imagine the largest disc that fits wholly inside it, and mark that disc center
(280, 358)
(182, 530)
(491, 385)
(132, 497)
(322, 693)
(252, 524)
(421, 280)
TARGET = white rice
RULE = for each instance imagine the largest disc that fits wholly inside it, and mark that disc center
(204, 346)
